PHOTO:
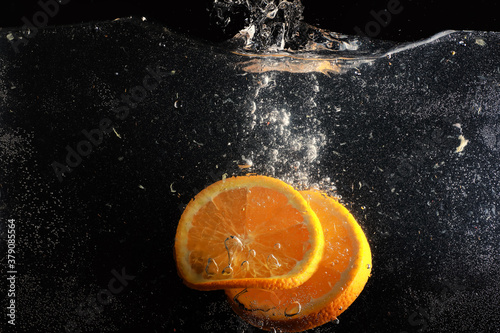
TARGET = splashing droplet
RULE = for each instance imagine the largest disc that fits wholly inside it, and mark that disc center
(293, 309)
(212, 268)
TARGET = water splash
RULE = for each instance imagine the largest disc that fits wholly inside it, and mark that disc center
(269, 24)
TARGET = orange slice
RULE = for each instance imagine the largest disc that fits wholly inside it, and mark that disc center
(251, 232)
(341, 276)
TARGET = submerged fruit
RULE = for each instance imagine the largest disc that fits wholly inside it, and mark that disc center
(248, 232)
(341, 276)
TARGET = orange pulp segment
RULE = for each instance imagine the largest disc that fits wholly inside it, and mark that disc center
(341, 276)
(248, 231)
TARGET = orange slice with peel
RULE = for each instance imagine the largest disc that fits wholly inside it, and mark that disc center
(341, 276)
(250, 232)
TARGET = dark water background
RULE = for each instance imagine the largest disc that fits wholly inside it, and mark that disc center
(390, 132)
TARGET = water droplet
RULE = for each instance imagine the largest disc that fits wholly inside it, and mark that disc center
(285, 117)
(233, 244)
(270, 170)
(368, 266)
(272, 262)
(340, 309)
(336, 321)
(245, 265)
(311, 153)
(273, 116)
(227, 271)
(293, 309)
(271, 7)
(212, 268)
(178, 104)
(252, 253)
(271, 11)
(277, 246)
(295, 146)
(283, 5)
(273, 155)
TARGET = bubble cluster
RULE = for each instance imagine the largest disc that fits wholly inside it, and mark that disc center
(285, 138)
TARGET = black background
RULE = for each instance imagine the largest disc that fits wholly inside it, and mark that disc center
(105, 224)
(418, 19)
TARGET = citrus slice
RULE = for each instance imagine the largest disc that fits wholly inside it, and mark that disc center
(248, 231)
(341, 276)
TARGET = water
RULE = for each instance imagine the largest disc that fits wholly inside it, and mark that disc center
(375, 123)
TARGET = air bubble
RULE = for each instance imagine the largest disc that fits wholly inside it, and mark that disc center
(277, 246)
(311, 153)
(295, 146)
(293, 309)
(270, 170)
(285, 118)
(252, 253)
(253, 107)
(272, 262)
(212, 268)
(233, 244)
(227, 271)
(271, 9)
(273, 116)
(178, 104)
(336, 321)
(368, 266)
(245, 265)
(273, 155)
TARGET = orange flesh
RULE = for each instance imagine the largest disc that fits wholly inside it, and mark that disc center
(322, 297)
(256, 234)
(334, 262)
